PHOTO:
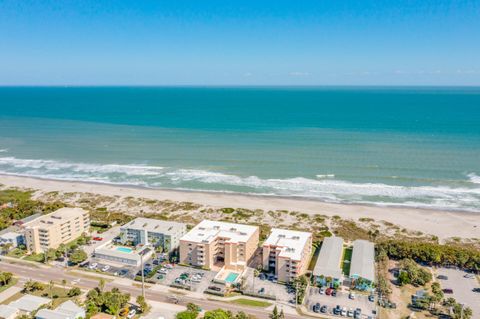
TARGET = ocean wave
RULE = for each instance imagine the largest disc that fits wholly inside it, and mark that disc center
(474, 178)
(320, 176)
(323, 188)
(3, 150)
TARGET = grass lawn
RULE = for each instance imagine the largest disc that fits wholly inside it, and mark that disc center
(347, 258)
(17, 253)
(12, 298)
(58, 293)
(251, 303)
(35, 257)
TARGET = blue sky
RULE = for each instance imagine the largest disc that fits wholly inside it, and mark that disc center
(200, 42)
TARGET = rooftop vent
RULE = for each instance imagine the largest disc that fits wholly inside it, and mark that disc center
(296, 237)
(281, 236)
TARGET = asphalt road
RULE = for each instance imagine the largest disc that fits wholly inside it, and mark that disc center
(26, 272)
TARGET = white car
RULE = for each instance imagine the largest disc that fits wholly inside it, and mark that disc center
(93, 265)
(131, 314)
(105, 268)
(350, 313)
(75, 281)
(344, 312)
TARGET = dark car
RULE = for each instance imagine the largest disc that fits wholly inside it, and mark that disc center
(442, 277)
(476, 289)
(316, 307)
(371, 298)
(324, 309)
(357, 314)
(448, 291)
(337, 310)
(214, 288)
(262, 276)
(334, 293)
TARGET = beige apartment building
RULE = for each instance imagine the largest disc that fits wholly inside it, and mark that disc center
(213, 244)
(287, 253)
(59, 227)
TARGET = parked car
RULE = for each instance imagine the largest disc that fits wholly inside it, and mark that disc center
(262, 276)
(448, 291)
(97, 238)
(442, 277)
(93, 265)
(351, 295)
(476, 289)
(371, 298)
(324, 309)
(321, 290)
(214, 288)
(329, 291)
(168, 266)
(123, 272)
(261, 291)
(337, 310)
(344, 312)
(316, 307)
(105, 268)
(357, 314)
(334, 293)
(131, 314)
(469, 276)
(350, 313)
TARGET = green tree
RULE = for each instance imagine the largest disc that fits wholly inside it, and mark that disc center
(218, 314)
(78, 256)
(5, 277)
(73, 292)
(142, 303)
(32, 286)
(186, 315)
(274, 314)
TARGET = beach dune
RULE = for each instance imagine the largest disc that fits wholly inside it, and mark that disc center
(443, 224)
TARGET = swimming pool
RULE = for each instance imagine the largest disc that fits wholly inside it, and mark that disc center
(231, 277)
(124, 249)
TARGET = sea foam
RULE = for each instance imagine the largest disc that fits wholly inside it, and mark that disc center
(325, 188)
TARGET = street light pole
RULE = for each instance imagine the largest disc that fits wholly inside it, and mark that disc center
(143, 275)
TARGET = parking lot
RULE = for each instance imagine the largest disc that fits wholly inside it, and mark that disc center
(462, 285)
(342, 299)
(267, 287)
(98, 265)
(197, 279)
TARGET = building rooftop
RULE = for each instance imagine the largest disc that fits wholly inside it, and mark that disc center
(154, 225)
(67, 310)
(330, 258)
(363, 260)
(57, 217)
(10, 235)
(7, 311)
(29, 303)
(289, 242)
(208, 230)
(101, 315)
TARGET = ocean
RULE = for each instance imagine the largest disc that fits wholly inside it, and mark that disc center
(415, 147)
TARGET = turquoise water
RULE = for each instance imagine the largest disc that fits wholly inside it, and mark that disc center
(231, 277)
(417, 147)
(124, 249)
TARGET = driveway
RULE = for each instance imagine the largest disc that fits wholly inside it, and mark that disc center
(462, 288)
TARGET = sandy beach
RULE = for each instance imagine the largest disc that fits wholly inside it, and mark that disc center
(443, 224)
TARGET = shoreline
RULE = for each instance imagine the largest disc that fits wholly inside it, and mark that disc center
(441, 223)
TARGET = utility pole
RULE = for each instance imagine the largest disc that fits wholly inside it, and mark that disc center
(143, 275)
